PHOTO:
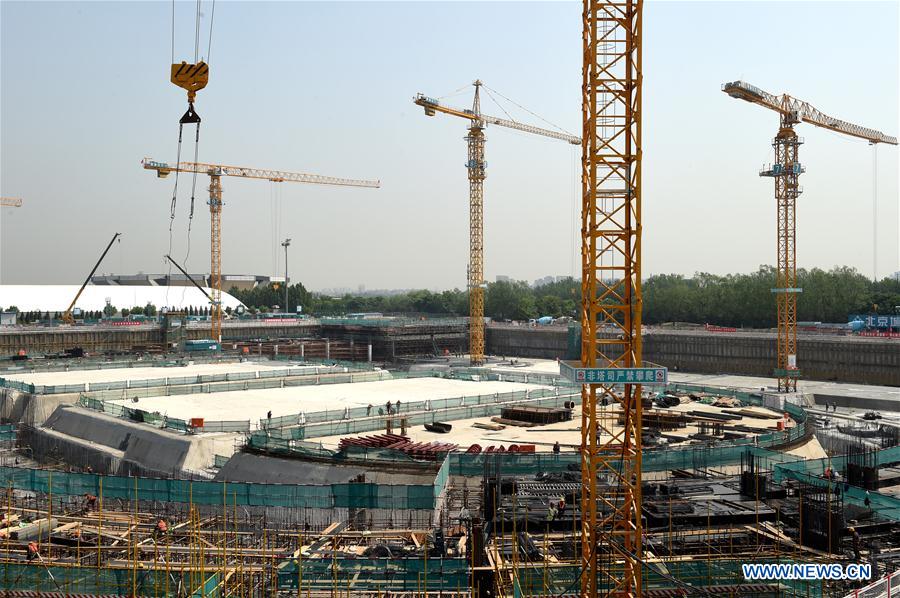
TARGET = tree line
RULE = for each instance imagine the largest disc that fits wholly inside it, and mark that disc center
(739, 300)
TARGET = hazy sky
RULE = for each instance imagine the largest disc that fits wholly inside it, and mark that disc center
(326, 88)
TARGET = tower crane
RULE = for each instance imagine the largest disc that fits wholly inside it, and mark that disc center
(215, 173)
(476, 166)
(612, 75)
(786, 171)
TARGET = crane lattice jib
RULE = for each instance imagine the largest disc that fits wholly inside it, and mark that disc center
(803, 111)
(433, 105)
(10, 202)
(276, 176)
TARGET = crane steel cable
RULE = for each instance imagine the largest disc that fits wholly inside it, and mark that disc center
(189, 117)
(197, 33)
(493, 99)
(534, 114)
(212, 17)
(455, 92)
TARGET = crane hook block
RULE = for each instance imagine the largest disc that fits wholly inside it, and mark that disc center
(191, 77)
(190, 116)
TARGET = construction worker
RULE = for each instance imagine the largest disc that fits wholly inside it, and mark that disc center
(551, 512)
(90, 503)
(161, 530)
(556, 447)
(369, 410)
(867, 501)
(33, 551)
(856, 541)
(388, 407)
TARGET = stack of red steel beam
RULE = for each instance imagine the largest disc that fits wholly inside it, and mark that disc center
(429, 451)
(377, 441)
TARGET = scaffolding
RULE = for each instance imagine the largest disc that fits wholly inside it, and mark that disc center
(105, 546)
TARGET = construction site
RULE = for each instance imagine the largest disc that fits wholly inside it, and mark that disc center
(398, 455)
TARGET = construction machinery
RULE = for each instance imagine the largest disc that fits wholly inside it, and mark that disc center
(611, 552)
(786, 171)
(476, 167)
(10, 202)
(67, 316)
(215, 173)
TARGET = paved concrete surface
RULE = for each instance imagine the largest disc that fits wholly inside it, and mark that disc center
(568, 433)
(254, 404)
(138, 373)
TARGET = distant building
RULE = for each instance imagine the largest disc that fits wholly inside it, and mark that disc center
(896, 275)
(544, 281)
(502, 278)
(177, 279)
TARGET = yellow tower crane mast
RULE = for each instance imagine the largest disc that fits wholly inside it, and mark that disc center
(476, 167)
(215, 173)
(786, 171)
(612, 73)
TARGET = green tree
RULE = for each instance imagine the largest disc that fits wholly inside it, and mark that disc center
(509, 300)
(110, 310)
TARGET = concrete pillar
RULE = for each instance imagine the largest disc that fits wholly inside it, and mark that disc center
(276, 350)
(370, 352)
(327, 348)
(302, 351)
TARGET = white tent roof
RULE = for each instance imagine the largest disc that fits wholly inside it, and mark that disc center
(56, 298)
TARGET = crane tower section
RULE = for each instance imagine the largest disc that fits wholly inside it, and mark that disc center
(611, 297)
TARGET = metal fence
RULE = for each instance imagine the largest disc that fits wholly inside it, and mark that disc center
(886, 587)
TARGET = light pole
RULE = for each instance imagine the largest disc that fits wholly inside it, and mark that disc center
(286, 243)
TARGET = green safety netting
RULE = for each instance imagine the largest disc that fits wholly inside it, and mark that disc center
(366, 574)
(326, 496)
(106, 581)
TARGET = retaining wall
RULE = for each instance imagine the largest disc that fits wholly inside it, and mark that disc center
(833, 358)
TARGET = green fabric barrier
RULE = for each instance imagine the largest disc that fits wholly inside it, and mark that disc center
(148, 583)
(325, 496)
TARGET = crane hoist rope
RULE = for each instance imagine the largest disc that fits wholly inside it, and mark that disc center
(192, 78)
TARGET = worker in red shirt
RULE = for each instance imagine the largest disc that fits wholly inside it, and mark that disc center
(161, 530)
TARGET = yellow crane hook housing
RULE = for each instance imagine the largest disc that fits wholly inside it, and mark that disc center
(192, 78)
